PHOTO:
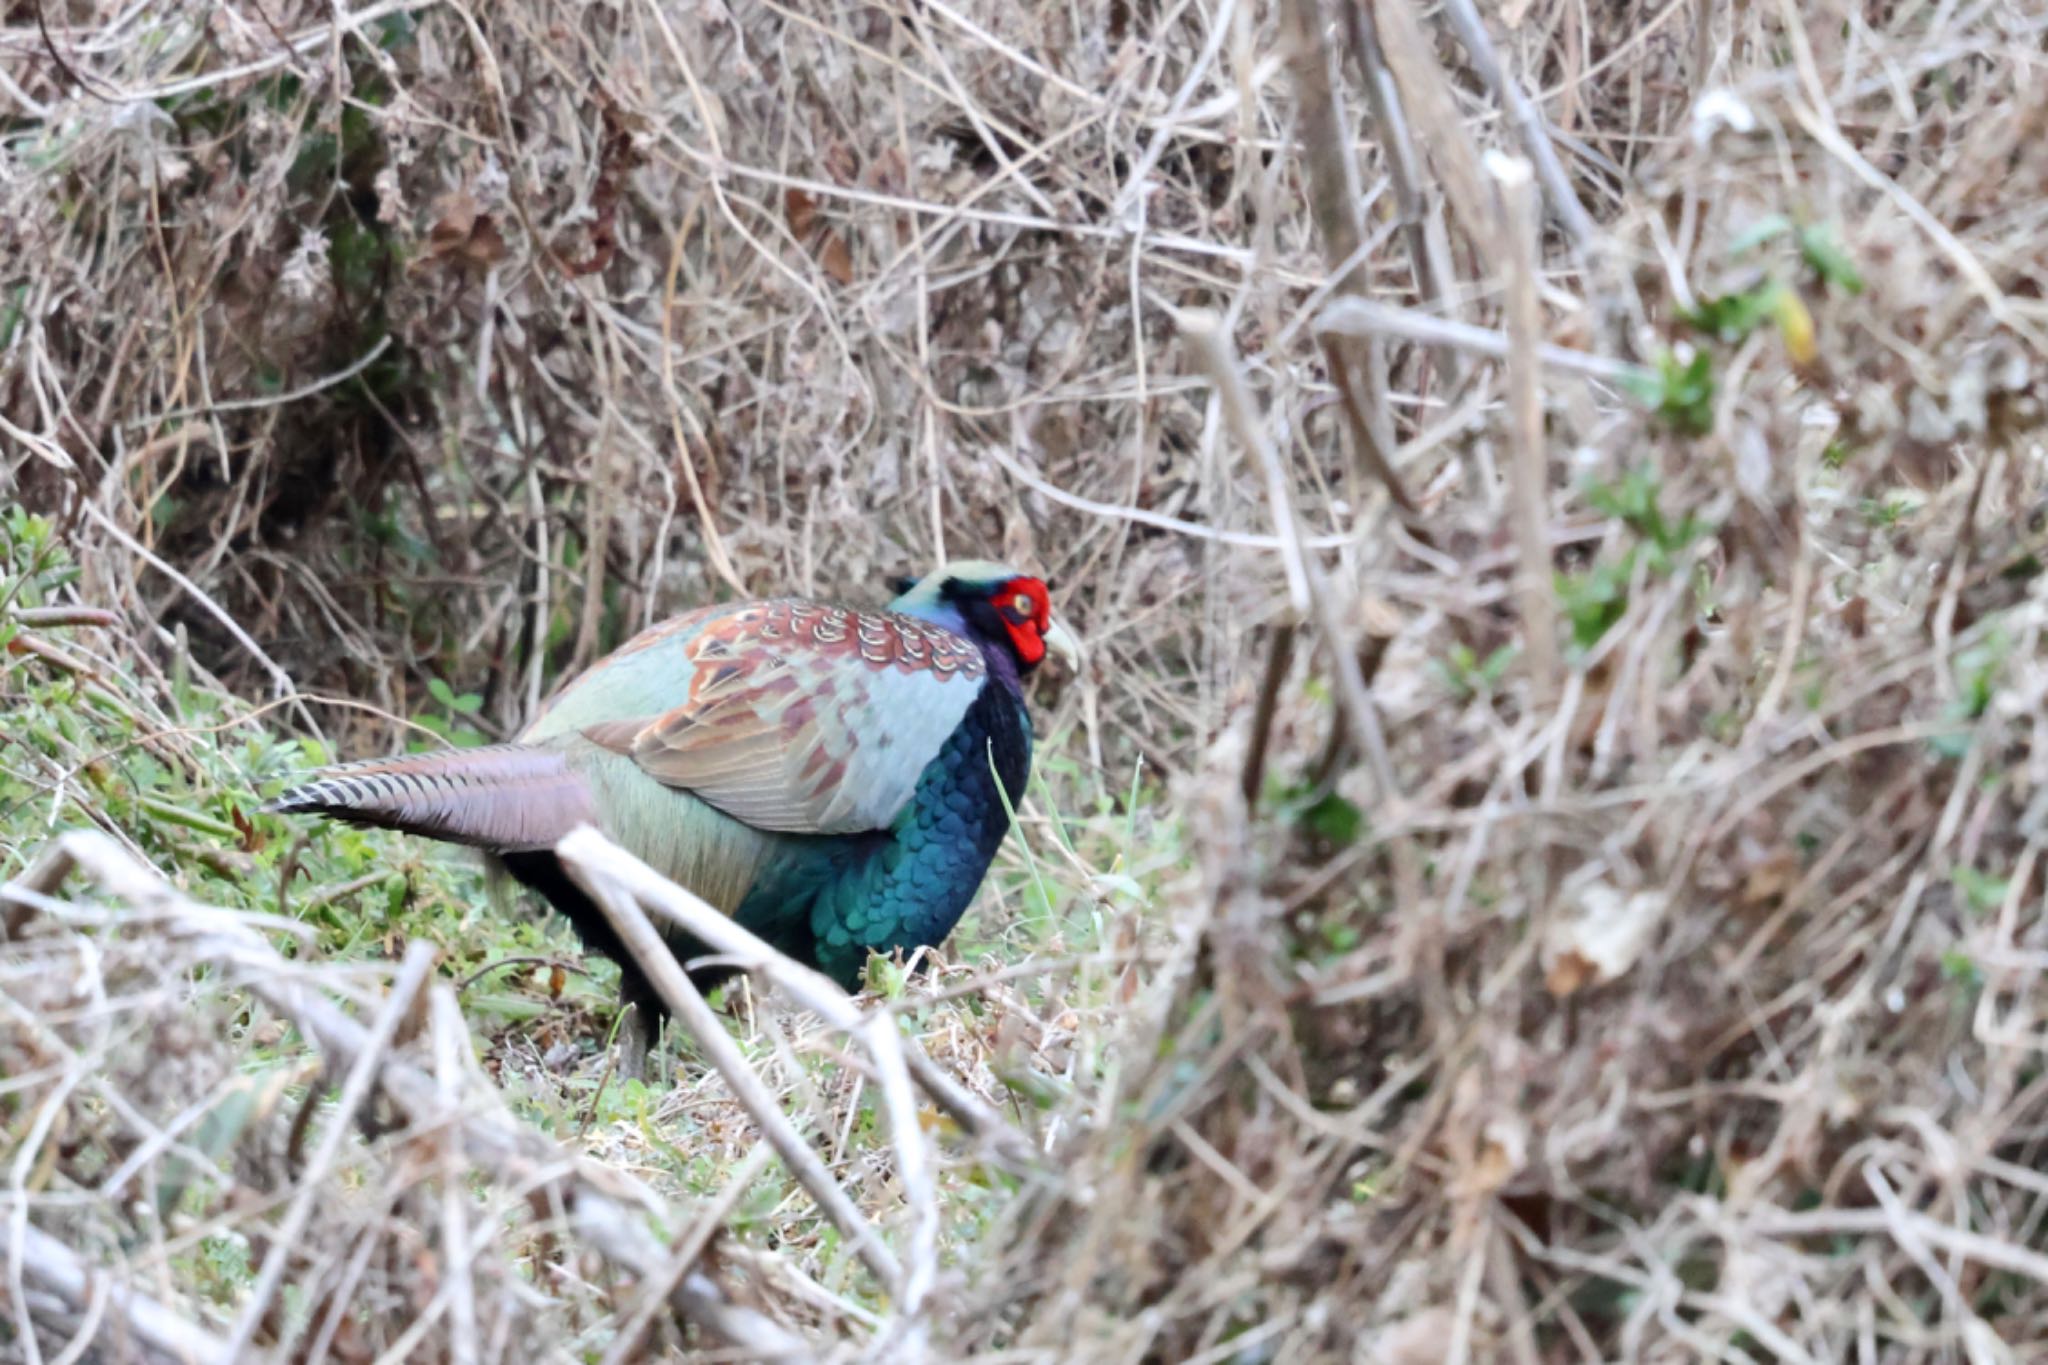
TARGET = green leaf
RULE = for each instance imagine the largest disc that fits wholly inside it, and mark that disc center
(1335, 819)
(1034, 1088)
(1977, 670)
(1829, 259)
(1959, 967)
(1341, 938)
(441, 692)
(1681, 392)
(1732, 317)
(1496, 666)
(1952, 745)
(1982, 893)
(884, 977)
(1595, 600)
(1763, 230)
(1108, 884)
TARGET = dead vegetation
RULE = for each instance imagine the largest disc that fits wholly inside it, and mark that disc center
(1556, 493)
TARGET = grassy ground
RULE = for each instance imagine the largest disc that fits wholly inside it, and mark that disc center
(175, 769)
(1543, 864)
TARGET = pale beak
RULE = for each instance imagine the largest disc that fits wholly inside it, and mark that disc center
(1063, 642)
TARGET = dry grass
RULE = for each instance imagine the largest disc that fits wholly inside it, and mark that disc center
(1613, 771)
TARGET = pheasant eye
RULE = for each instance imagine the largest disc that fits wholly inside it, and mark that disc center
(1022, 602)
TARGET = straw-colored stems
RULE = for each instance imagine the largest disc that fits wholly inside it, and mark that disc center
(511, 1152)
(1528, 121)
(1530, 481)
(1307, 586)
(1426, 258)
(1358, 367)
(362, 1078)
(1351, 316)
(55, 1269)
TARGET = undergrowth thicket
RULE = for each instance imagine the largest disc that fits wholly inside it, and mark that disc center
(1543, 862)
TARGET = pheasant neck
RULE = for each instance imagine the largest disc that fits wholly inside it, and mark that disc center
(1002, 662)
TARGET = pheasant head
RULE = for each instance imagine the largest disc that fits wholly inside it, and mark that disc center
(993, 604)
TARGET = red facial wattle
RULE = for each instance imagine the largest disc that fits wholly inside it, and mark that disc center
(1026, 611)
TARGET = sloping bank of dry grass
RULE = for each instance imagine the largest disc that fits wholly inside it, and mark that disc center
(1580, 893)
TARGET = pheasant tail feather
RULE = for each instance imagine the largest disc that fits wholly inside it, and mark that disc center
(505, 797)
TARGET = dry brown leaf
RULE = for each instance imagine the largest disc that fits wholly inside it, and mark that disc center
(463, 230)
(1856, 616)
(1567, 973)
(800, 211)
(1769, 876)
(1599, 937)
(455, 215)
(486, 245)
(837, 260)
(1503, 1153)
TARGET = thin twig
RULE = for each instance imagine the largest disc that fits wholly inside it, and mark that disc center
(1361, 315)
(513, 1154)
(451, 1040)
(285, 688)
(1250, 540)
(1279, 658)
(909, 1330)
(1432, 109)
(1358, 371)
(683, 1257)
(272, 400)
(1433, 281)
(318, 35)
(1529, 124)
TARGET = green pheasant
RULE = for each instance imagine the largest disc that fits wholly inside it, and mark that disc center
(838, 780)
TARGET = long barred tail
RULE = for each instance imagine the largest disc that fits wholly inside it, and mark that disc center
(505, 797)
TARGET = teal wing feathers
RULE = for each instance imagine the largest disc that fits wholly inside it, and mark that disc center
(786, 715)
(643, 677)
